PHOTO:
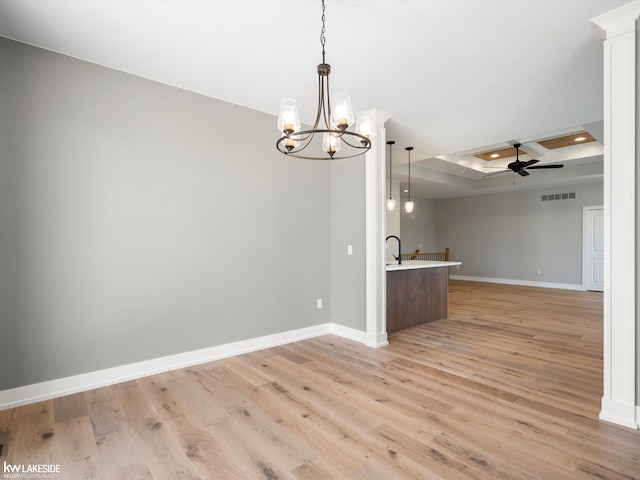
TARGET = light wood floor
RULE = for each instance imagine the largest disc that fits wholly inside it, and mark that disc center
(508, 387)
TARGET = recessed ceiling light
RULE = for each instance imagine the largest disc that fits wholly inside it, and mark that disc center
(567, 140)
(406, 191)
(495, 154)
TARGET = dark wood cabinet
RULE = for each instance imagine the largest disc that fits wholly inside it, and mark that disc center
(416, 296)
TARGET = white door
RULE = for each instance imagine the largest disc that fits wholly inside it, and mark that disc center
(593, 248)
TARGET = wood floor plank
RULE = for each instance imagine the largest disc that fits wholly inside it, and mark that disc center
(197, 399)
(437, 463)
(316, 469)
(204, 451)
(164, 457)
(282, 446)
(76, 449)
(167, 402)
(253, 460)
(292, 411)
(118, 453)
(69, 407)
(507, 387)
(32, 436)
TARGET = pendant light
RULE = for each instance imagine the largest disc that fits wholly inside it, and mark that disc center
(336, 121)
(391, 203)
(408, 205)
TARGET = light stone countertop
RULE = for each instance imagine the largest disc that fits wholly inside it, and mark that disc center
(413, 264)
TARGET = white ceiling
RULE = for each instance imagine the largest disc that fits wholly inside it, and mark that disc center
(457, 76)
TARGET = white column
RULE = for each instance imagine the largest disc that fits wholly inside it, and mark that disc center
(619, 29)
(375, 232)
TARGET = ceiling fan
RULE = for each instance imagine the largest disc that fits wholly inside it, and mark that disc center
(521, 167)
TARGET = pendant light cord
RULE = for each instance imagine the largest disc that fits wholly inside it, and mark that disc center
(390, 170)
(390, 143)
(408, 149)
(409, 192)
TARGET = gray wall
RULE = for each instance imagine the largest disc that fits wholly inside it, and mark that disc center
(511, 235)
(392, 221)
(419, 227)
(348, 272)
(138, 220)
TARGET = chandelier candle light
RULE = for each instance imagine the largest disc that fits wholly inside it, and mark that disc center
(408, 205)
(335, 122)
(391, 203)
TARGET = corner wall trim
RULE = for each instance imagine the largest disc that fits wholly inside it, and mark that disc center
(619, 413)
(27, 394)
(524, 283)
(370, 340)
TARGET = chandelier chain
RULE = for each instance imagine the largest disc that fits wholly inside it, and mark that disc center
(322, 32)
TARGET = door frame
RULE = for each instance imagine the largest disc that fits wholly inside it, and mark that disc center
(586, 234)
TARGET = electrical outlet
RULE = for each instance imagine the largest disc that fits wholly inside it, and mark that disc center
(539, 271)
(319, 303)
(349, 249)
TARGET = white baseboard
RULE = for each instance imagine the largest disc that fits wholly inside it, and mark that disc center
(524, 283)
(27, 394)
(374, 341)
(619, 413)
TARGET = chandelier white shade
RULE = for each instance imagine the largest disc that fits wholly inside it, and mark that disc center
(288, 118)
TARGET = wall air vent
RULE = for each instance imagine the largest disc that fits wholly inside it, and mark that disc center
(558, 196)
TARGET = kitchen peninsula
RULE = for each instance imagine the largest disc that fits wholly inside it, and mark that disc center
(417, 293)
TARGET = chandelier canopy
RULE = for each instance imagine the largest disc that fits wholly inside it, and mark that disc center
(332, 121)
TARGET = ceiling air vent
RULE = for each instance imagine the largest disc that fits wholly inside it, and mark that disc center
(558, 196)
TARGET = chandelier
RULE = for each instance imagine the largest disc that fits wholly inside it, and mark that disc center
(332, 121)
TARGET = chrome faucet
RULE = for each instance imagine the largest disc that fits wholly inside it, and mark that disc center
(399, 257)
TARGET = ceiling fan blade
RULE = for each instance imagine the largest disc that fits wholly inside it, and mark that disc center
(522, 173)
(495, 173)
(529, 163)
(538, 167)
(515, 166)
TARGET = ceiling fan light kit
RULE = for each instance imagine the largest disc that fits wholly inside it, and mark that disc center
(336, 116)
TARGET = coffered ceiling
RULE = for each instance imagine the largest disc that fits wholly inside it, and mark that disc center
(459, 77)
